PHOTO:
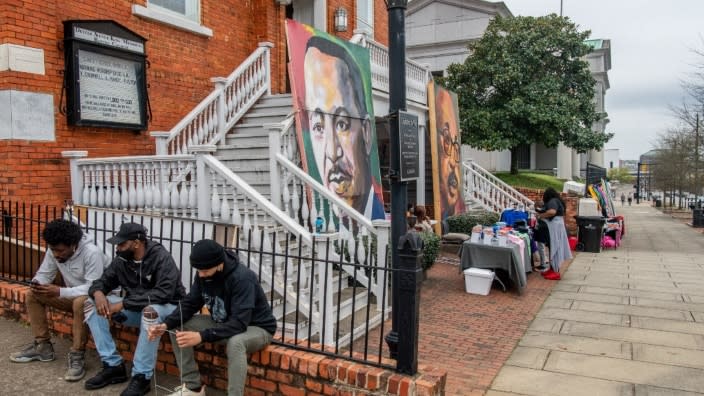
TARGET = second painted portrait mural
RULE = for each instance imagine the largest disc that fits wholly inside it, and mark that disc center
(445, 146)
(332, 95)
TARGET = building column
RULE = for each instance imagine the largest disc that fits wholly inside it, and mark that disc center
(597, 157)
(576, 157)
(564, 162)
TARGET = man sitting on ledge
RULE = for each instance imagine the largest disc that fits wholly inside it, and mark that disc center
(80, 262)
(151, 283)
(239, 317)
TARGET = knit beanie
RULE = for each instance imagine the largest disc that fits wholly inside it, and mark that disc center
(206, 254)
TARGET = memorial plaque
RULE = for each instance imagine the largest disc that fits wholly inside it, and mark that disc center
(409, 146)
(26, 115)
(105, 67)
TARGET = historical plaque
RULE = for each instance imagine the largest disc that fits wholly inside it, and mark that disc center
(409, 146)
(105, 75)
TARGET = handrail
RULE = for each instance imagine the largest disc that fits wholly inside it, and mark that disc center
(319, 188)
(516, 196)
(209, 120)
(281, 217)
(416, 74)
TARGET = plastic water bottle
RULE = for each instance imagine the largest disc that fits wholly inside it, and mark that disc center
(319, 222)
(149, 317)
(496, 230)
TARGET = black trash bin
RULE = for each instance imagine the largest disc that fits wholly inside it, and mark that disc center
(658, 203)
(698, 218)
(591, 230)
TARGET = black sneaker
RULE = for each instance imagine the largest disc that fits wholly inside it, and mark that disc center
(139, 386)
(107, 376)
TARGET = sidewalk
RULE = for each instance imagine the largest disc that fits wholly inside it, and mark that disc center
(622, 322)
(46, 378)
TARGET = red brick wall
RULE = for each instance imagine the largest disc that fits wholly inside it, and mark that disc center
(571, 203)
(180, 67)
(276, 370)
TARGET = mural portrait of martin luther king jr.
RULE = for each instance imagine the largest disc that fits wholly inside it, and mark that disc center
(336, 125)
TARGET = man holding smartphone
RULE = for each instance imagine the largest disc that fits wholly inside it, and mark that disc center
(80, 262)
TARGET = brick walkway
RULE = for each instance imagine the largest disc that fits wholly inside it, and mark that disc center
(471, 336)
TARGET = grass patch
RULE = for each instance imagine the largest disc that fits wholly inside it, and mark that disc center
(531, 180)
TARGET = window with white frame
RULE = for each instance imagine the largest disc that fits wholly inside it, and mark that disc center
(187, 8)
(181, 14)
(365, 16)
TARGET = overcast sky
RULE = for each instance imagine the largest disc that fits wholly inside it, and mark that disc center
(651, 44)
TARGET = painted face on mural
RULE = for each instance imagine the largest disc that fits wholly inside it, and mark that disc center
(449, 152)
(340, 131)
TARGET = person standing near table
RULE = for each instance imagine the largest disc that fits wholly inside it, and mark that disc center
(559, 245)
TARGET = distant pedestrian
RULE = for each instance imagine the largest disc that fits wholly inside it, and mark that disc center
(630, 198)
(623, 199)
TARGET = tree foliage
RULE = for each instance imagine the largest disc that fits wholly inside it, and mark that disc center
(526, 82)
(622, 175)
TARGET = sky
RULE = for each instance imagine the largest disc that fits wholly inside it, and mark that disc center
(651, 54)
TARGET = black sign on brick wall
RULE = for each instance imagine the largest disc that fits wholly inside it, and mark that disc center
(106, 81)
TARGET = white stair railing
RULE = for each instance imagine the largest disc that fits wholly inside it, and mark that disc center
(417, 76)
(490, 192)
(210, 120)
(305, 199)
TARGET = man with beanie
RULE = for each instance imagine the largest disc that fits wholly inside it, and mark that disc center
(73, 254)
(239, 317)
(151, 286)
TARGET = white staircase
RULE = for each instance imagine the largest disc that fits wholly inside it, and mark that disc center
(488, 192)
(232, 164)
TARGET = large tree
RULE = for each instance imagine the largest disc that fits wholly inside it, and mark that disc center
(526, 81)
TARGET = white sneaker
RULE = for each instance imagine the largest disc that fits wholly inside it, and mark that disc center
(184, 391)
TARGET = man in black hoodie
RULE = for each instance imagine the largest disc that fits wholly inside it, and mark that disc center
(239, 317)
(151, 286)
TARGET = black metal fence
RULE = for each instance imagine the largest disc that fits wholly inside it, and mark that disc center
(309, 288)
(593, 175)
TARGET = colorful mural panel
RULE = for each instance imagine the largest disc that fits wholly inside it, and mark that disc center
(445, 150)
(332, 95)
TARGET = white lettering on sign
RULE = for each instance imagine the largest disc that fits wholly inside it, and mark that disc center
(107, 39)
(108, 87)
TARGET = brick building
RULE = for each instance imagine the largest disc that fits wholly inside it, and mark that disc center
(188, 42)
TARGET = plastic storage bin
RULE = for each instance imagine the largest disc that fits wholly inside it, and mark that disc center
(591, 230)
(478, 281)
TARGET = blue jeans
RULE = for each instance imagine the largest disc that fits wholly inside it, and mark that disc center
(144, 354)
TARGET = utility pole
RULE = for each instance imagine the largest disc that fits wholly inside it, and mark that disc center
(696, 160)
(560, 7)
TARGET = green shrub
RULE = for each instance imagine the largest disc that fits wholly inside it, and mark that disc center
(431, 248)
(464, 222)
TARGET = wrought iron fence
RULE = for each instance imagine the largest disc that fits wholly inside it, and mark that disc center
(319, 305)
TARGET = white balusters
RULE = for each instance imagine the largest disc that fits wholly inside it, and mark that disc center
(236, 217)
(225, 208)
(193, 194)
(93, 190)
(101, 187)
(214, 198)
(149, 188)
(165, 194)
(85, 199)
(139, 177)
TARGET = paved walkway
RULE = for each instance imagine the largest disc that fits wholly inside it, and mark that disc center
(622, 322)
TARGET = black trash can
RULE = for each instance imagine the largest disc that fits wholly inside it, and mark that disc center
(591, 230)
(698, 218)
(658, 203)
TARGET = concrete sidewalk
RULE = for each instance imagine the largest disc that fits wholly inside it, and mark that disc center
(46, 378)
(622, 322)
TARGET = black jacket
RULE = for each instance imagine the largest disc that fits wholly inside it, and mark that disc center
(156, 280)
(235, 300)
